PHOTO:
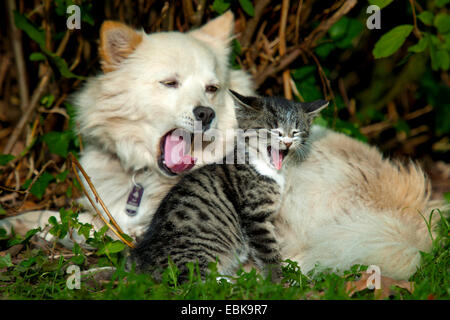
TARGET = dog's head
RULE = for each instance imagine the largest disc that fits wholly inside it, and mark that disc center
(153, 85)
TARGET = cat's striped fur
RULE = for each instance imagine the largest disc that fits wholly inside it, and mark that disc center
(225, 213)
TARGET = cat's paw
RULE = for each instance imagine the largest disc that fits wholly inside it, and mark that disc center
(275, 273)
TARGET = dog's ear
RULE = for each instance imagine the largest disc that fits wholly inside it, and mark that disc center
(117, 41)
(217, 33)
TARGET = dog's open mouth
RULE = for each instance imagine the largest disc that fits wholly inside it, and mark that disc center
(276, 156)
(175, 152)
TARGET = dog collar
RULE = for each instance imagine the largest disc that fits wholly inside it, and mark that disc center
(134, 198)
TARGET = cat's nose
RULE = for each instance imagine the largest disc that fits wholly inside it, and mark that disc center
(287, 144)
(205, 115)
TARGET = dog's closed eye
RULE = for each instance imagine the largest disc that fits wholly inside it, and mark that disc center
(170, 83)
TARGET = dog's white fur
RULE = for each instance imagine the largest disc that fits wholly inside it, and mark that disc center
(343, 205)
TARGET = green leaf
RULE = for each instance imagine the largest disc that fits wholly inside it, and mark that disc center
(339, 29)
(25, 25)
(26, 184)
(69, 192)
(5, 261)
(37, 56)
(77, 185)
(31, 233)
(305, 81)
(67, 215)
(62, 176)
(115, 246)
(447, 196)
(48, 100)
(441, 3)
(71, 111)
(354, 28)
(435, 63)
(84, 230)
(38, 188)
(76, 248)
(426, 17)
(344, 31)
(309, 91)
(305, 74)
(78, 259)
(99, 234)
(79, 256)
(52, 220)
(61, 65)
(3, 234)
(248, 7)
(16, 240)
(237, 48)
(57, 142)
(2, 211)
(442, 23)
(86, 13)
(220, 6)
(391, 41)
(324, 49)
(443, 58)
(236, 51)
(127, 237)
(5, 158)
(28, 262)
(61, 6)
(446, 45)
(380, 3)
(420, 46)
(111, 247)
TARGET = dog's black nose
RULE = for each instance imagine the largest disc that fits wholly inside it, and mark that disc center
(205, 115)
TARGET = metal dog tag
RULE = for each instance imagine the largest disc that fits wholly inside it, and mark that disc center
(134, 200)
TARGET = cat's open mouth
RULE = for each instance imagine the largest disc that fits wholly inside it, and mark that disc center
(276, 156)
(175, 152)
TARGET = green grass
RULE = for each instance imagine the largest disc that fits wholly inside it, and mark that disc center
(33, 274)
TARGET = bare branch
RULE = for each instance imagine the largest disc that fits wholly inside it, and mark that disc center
(16, 38)
(253, 23)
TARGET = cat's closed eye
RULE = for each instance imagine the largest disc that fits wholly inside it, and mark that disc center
(277, 132)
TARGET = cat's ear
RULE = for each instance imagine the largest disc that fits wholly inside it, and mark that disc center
(313, 108)
(246, 102)
(217, 33)
(117, 42)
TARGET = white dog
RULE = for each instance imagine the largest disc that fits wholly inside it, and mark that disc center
(344, 205)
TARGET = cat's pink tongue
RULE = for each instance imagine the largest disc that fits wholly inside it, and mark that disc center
(175, 154)
(277, 158)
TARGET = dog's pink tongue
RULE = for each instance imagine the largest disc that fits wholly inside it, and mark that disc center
(175, 157)
(277, 158)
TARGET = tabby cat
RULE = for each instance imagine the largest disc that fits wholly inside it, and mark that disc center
(223, 212)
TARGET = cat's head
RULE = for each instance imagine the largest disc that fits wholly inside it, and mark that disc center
(287, 123)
